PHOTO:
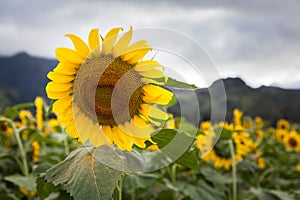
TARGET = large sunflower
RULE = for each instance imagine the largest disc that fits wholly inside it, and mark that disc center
(105, 94)
(292, 141)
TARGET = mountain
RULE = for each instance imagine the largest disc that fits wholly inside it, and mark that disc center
(271, 103)
(22, 78)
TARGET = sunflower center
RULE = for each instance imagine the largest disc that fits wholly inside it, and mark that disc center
(3, 127)
(292, 142)
(109, 88)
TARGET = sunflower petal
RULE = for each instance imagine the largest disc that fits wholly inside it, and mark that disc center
(109, 40)
(58, 87)
(60, 78)
(147, 65)
(154, 73)
(122, 44)
(155, 112)
(66, 55)
(57, 95)
(81, 47)
(138, 56)
(148, 80)
(62, 104)
(67, 69)
(94, 41)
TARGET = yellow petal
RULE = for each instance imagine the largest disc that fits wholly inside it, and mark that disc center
(155, 112)
(57, 95)
(123, 140)
(157, 100)
(62, 104)
(147, 65)
(134, 49)
(67, 69)
(139, 142)
(66, 55)
(109, 40)
(60, 78)
(58, 87)
(154, 73)
(138, 56)
(98, 138)
(81, 48)
(156, 91)
(94, 41)
(122, 44)
(148, 80)
(71, 130)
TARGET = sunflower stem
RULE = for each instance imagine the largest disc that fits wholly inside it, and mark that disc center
(119, 187)
(21, 147)
(67, 146)
(234, 182)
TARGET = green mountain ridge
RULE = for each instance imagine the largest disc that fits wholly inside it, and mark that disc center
(23, 77)
(271, 103)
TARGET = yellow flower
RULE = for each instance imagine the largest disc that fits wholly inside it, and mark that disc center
(204, 126)
(6, 129)
(261, 162)
(39, 112)
(298, 167)
(281, 134)
(292, 141)
(35, 151)
(237, 117)
(258, 122)
(282, 124)
(105, 93)
(26, 117)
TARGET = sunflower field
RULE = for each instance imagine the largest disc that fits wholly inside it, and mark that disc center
(107, 134)
(250, 160)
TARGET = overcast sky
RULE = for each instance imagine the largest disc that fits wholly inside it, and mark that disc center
(257, 40)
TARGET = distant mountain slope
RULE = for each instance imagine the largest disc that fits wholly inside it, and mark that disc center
(22, 77)
(271, 103)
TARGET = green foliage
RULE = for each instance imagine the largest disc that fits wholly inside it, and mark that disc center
(83, 176)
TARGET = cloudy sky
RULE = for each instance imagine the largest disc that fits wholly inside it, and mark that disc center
(256, 40)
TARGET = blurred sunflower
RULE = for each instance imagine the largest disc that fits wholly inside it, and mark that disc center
(219, 154)
(39, 112)
(105, 93)
(5, 128)
(283, 124)
(292, 141)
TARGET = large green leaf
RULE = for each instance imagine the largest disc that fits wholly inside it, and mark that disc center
(83, 176)
(50, 191)
(23, 181)
(265, 194)
(188, 158)
(200, 191)
(214, 176)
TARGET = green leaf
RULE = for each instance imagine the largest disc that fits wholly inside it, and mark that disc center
(23, 105)
(44, 188)
(83, 176)
(189, 159)
(178, 84)
(11, 112)
(200, 191)
(261, 195)
(214, 176)
(139, 181)
(23, 181)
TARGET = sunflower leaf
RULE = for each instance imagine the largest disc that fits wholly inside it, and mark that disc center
(83, 176)
(178, 84)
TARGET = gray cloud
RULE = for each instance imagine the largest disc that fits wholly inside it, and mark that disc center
(257, 40)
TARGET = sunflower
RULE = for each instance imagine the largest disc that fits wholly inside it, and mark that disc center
(105, 93)
(283, 124)
(292, 141)
(39, 112)
(5, 128)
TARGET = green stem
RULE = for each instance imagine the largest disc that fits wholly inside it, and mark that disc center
(118, 190)
(21, 147)
(67, 146)
(234, 182)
